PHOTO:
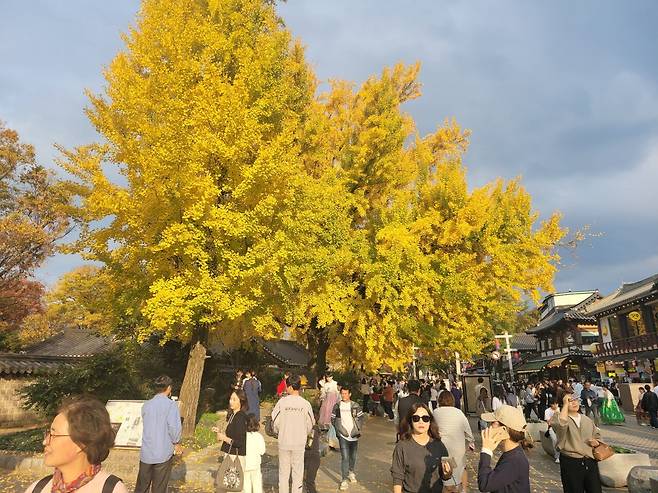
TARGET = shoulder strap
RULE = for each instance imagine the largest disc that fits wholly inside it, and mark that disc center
(110, 483)
(38, 488)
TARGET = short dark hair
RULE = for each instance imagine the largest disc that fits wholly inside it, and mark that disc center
(89, 426)
(446, 399)
(294, 381)
(647, 387)
(413, 386)
(161, 383)
(406, 429)
(346, 387)
(252, 423)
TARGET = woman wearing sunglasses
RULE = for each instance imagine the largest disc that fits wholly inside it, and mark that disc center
(417, 465)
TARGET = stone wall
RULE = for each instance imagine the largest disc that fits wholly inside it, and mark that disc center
(11, 412)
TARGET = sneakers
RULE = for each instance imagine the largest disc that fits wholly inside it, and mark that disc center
(557, 460)
(352, 477)
(343, 485)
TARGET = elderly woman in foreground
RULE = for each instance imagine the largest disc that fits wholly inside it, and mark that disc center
(78, 440)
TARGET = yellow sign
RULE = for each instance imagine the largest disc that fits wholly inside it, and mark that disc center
(635, 316)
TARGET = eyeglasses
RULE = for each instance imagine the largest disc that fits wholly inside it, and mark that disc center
(47, 436)
(425, 417)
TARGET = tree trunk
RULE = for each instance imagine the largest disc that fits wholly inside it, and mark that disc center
(189, 394)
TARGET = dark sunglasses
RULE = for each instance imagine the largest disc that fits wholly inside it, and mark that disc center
(416, 418)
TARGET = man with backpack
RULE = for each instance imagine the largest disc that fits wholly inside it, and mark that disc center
(347, 418)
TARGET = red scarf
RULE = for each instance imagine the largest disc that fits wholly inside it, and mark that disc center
(59, 486)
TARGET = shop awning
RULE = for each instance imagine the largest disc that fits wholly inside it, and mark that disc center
(555, 363)
(531, 366)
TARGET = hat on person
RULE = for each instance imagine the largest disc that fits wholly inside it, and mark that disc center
(509, 416)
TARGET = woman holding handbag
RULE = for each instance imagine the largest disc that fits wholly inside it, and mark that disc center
(230, 476)
(577, 437)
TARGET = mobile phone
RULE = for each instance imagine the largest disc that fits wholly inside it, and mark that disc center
(451, 461)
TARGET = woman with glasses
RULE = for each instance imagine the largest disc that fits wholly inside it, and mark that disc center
(78, 440)
(417, 466)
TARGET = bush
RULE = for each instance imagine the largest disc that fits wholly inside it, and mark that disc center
(203, 434)
(106, 376)
(23, 441)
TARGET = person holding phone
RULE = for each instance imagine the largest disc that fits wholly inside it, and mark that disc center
(417, 465)
(507, 426)
(455, 432)
(576, 436)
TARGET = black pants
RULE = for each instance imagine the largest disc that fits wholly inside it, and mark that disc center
(579, 475)
(311, 466)
(153, 478)
(388, 408)
(653, 418)
(366, 400)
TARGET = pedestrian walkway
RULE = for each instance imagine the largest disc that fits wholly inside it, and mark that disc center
(376, 450)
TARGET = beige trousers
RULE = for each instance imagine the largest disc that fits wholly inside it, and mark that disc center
(291, 462)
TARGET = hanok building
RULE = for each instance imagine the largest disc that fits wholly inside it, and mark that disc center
(565, 334)
(627, 321)
(46, 357)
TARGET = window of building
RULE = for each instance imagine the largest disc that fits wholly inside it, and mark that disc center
(615, 327)
(635, 324)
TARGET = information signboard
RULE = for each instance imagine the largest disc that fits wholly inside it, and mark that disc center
(126, 419)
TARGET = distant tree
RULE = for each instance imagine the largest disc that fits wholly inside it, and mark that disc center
(33, 216)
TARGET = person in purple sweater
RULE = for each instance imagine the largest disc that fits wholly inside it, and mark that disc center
(512, 472)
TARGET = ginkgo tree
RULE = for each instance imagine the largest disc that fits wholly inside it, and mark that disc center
(183, 198)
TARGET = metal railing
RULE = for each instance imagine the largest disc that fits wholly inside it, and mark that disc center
(645, 342)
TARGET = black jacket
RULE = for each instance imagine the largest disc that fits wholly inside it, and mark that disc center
(236, 431)
(405, 404)
(357, 417)
(650, 401)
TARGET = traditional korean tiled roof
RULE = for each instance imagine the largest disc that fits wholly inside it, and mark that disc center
(71, 342)
(627, 295)
(524, 342)
(46, 356)
(579, 313)
(22, 364)
(290, 353)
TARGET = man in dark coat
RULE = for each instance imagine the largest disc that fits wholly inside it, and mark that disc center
(650, 405)
(405, 403)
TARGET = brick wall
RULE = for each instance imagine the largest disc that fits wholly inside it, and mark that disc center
(11, 412)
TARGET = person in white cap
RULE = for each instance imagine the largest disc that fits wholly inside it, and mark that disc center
(507, 425)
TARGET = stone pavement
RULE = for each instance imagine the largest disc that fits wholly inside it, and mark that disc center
(374, 461)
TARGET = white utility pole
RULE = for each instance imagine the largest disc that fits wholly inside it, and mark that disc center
(458, 366)
(508, 350)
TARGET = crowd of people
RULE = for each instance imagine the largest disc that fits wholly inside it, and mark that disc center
(433, 435)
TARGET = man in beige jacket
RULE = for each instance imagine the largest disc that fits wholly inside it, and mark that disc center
(577, 435)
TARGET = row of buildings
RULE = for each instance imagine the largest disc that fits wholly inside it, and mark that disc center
(586, 335)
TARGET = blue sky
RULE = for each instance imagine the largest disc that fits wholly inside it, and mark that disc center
(562, 93)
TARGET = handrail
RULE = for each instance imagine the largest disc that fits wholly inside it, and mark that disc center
(644, 342)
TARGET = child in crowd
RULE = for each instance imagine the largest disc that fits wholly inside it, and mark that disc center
(253, 479)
